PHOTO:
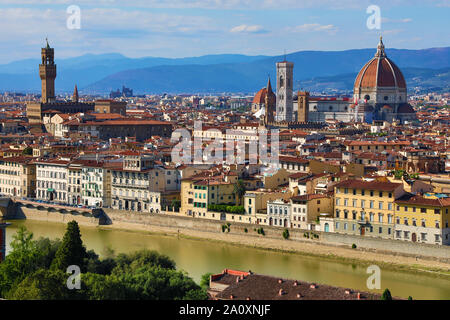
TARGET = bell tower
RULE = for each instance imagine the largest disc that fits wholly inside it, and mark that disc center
(47, 72)
(285, 103)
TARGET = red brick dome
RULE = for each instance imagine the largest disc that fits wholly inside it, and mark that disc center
(405, 108)
(380, 71)
(260, 96)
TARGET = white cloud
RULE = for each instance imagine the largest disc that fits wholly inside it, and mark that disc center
(243, 28)
(313, 27)
(389, 20)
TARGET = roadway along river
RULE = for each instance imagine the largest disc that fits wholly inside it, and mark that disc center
(198, 257)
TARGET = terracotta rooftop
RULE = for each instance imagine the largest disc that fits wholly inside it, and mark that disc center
(233, 286)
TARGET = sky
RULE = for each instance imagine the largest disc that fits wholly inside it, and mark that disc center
(186, 28)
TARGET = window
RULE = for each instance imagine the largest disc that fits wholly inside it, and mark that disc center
(406, 209)
(338, 201)
(345, 202)
(389, 206)
(437, 211)
(423, 210)
(337, 225)
(363, 192)
(406, 221)
(337, 213)
(371, 217)
(371, 204)
(345, 226)
(362, 203)
(380, 218)
(354, 203)
(380, 205)
(371, 193)
(354, 192)
(380, 230)
(398, 234)
(381, 194)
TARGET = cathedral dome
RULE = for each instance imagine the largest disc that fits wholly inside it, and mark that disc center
(380, 71)
(405, 108)
(260, 96)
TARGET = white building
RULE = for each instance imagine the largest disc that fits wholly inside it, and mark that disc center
(51, 180)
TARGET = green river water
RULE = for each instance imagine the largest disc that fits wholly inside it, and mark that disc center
(200, 256)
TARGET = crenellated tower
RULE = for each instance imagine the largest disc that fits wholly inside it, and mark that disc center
(47, 72)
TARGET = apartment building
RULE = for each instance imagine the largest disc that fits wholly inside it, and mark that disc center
(17, 177)
(306, 209)
(74, 183)
(51, 180)
(133, 184)
(366, 208)
(200, 191)
(423, 218)
(95, 184)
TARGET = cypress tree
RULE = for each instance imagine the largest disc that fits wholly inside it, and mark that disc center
(386, 295)
(71, 251)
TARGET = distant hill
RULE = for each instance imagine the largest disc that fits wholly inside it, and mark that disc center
(221, 73)
(415, 77)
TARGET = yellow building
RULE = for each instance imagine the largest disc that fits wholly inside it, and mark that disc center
(17, 177)
(199, 192)
(366, 208)
(422, 219)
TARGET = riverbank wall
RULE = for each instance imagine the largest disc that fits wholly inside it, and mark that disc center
(176, 223)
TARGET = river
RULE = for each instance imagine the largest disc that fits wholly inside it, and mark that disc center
(199, 257)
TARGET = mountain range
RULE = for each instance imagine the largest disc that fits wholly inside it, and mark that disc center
(313, 70)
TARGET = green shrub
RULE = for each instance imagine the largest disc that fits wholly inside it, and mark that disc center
(353, 246)
(245, 230)
(286, 234)
(224, 227)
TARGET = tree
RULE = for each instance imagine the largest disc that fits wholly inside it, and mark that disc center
(23, 260)
(239, 191)
(28, 151)
(176, 204)
(156, 283)
(71, 251)
(42, 285)
(101, 287)
(133, 261)
(204, 282)
(386, 295)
